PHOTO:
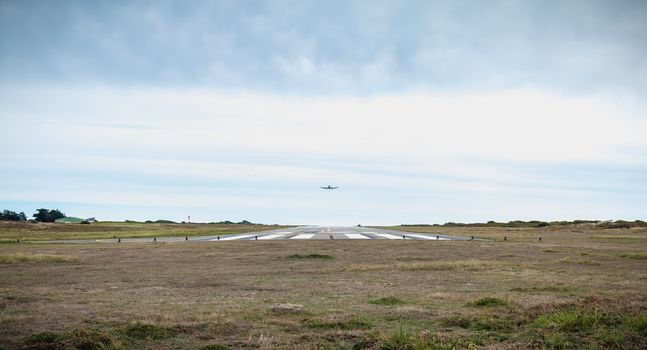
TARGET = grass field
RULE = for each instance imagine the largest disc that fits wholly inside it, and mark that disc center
(580, 287)
(27, 231)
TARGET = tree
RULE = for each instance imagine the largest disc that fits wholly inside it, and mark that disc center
(45, 215)
(56, 214)
(12, 216)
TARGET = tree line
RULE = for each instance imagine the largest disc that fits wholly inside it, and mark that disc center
(41, 215)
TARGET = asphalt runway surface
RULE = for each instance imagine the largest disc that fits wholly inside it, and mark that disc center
(295, 234)
(330, 233)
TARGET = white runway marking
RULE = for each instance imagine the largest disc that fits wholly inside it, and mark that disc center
(282, 232)
(230, 238)
(355, 236)
(426, 237)
(385, 235)
(303, 236)
(276, 235)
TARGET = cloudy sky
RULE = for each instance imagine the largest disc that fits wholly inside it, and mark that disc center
(420, 111)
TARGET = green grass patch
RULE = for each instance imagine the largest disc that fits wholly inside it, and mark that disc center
(345, 325)
(34, 258)
(42, 338)
(576, 328)
(638, 324)
(571, 320)
(405, 339)
(488, 302)
(610, 338)
(457, 321)
(150, 331)
(494, 323)
(557, 341)
(387, 301)
(215, 347)
(310, 256)
(636, 256)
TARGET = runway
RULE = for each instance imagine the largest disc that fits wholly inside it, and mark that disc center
(328, 233)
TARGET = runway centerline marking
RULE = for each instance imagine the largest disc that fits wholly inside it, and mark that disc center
(303, 236)
(355, 236)
(386, 235)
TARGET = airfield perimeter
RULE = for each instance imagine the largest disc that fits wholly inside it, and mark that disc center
(580, 287)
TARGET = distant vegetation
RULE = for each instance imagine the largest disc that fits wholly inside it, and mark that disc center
(51, 215)
(45, 215)
(535, 223)
(244, 222)
(42, 215)
(12, 216)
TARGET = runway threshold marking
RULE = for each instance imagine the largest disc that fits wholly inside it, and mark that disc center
(427, 237)
(303, 236)
(386, 235)
(355, 236)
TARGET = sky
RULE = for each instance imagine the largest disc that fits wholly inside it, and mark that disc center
(420, 111)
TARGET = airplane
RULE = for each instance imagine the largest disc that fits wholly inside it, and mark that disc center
(329, 188)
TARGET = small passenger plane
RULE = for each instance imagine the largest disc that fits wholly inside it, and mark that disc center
(329, 188)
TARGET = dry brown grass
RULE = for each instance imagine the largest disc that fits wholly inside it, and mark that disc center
(223, 293)
(34, 258)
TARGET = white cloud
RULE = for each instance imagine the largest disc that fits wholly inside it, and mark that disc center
(523, 125)
(397, 157)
